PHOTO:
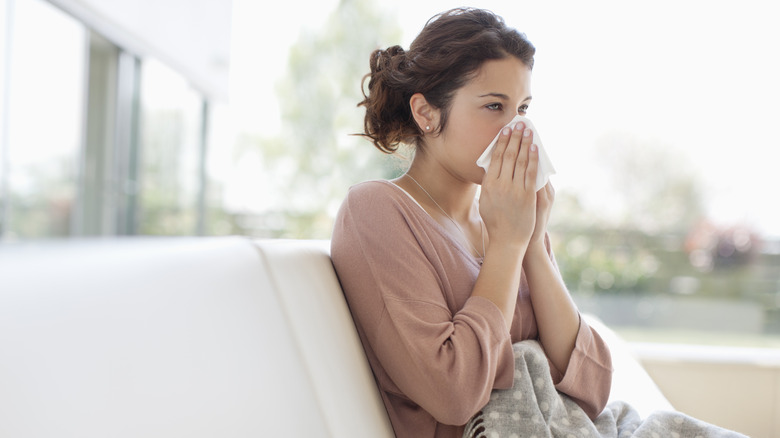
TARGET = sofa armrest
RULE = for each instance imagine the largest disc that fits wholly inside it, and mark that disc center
(630, 382)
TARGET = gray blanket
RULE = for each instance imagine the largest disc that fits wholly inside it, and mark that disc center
(534, 408)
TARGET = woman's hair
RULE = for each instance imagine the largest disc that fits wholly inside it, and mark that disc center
(446, 54)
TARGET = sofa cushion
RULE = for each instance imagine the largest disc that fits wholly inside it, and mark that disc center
(166, 337)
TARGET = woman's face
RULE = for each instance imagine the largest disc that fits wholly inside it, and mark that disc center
(500, 91)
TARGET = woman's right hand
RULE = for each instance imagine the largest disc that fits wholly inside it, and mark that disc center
(507, 202)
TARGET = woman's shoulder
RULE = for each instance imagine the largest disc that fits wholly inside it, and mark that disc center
(373, 192)
(379, 203)
(381, 187)
(371, 208)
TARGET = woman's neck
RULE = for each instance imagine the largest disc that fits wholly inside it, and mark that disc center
(428, 182)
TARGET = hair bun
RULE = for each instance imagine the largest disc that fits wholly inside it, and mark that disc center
(392, 58)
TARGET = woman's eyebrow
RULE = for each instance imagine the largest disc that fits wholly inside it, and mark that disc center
(498, 95)
(502, 96)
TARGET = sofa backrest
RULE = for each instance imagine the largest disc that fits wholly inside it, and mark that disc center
(179, 337)
(303, 277)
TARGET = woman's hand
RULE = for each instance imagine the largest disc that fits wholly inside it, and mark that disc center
(508, 203)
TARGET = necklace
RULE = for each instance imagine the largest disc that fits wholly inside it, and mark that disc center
(481, 231)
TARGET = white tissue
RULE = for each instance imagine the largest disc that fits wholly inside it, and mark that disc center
(545, 165)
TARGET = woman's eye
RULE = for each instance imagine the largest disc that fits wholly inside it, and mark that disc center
(523, 109)
(494, 106)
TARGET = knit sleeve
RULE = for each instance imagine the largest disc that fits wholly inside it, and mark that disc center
(445, 361)
(588, 378)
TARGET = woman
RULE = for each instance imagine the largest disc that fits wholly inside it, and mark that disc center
(441, 281)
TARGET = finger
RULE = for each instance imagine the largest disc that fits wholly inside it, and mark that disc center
(547, 193)
(521, 164)
(550, 191)
(512, 152)
(533, 167)
(494, 170)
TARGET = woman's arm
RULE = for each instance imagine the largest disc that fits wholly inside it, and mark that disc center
(556, 314)
(581, 361)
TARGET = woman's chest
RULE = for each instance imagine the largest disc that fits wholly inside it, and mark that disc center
(458, 275)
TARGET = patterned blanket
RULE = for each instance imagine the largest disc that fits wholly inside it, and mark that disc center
(534, 408)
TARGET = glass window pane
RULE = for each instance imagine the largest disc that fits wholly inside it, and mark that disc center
(45, 115)
(219, 166)
(5, 30)
(169, 152)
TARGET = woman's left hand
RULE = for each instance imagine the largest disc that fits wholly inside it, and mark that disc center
(544, 201)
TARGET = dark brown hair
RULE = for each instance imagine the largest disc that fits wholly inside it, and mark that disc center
(446, 54)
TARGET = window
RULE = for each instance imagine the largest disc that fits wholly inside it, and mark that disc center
(44, 117)
(96, 140)
(170, 152)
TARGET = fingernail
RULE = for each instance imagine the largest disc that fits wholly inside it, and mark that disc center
(505, 131)
(533, 148)
(527, 133)
(518, 126)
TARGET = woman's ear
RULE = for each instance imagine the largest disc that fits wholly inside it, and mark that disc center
(425, 115)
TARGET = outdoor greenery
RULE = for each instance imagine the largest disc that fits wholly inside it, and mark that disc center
(317, 157)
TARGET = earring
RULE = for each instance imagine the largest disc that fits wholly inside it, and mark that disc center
(427, 128)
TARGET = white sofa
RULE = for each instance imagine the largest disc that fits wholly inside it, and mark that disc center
(194, 337)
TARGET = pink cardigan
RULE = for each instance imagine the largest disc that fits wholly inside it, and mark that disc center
(435, 351)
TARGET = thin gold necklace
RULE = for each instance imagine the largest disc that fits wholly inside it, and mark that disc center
(481, 232)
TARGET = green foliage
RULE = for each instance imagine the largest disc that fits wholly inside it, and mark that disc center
(608, 261)
(647, 236)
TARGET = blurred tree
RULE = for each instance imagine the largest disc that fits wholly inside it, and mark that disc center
(653, 184)
(316, 160)
(632, 238)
